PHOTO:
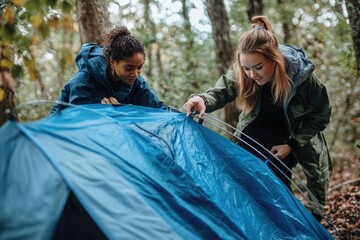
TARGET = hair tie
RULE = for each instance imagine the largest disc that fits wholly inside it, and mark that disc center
(259, 27)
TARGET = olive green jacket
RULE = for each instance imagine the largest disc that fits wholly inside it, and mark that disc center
(307, 109)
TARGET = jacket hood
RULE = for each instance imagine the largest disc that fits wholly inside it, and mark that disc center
(92, 60)
(298, 66)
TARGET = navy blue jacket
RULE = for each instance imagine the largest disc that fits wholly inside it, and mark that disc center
(90, 84)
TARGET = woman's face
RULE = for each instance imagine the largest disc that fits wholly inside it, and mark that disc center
(257, 67)
(127, 70)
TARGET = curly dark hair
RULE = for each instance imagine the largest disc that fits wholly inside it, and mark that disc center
(119, 44)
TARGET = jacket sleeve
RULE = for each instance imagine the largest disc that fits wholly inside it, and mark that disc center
(81, 89)
(314, 112)
(225, 91)
(146, 97)
(78, 90)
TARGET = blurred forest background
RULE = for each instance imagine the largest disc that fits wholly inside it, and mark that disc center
(189, 44)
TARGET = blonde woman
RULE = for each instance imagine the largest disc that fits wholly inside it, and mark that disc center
(283, 106)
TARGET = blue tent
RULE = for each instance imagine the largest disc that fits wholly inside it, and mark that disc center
(141, 173)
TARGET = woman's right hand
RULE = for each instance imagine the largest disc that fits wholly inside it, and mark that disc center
(195, 103)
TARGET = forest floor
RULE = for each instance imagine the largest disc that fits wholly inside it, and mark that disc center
(343, 198)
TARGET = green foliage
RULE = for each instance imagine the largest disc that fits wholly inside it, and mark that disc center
(28, 30)
(66, 6)
(25, 24)
(17, 71)
(237, 14)
(51, 3)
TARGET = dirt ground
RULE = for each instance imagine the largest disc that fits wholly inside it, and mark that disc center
(343, 198)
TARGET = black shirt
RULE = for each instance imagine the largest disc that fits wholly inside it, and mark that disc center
(269, 127)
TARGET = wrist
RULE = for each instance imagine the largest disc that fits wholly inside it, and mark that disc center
(292, 143)
(201, 96)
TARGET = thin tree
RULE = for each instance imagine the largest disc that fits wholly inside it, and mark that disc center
(223, 47)
(151, 43)
(286, 17)
(353, 8)
(7, 87)
(256, 7)
(189, 46)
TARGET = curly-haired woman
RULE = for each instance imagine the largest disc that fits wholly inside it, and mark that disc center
(110, 74)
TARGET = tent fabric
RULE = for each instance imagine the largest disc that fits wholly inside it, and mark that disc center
(141, 173)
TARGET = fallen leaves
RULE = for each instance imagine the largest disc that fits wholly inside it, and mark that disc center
(343, 198)
(343, 208)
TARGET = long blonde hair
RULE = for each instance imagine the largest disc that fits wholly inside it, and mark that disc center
(260, 39)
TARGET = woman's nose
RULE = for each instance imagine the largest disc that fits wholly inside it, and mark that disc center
(135, 73)
(253, 73)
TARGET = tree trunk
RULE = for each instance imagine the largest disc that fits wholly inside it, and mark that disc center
(7, 105)
(286, 19)
(7, 86)
(256, 7)
(188, 51)
(37, 75)
(149, 39)
(224, 49)
(353, 8)
(221, 33)
(93, 19)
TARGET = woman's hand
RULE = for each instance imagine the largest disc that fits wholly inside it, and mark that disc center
(110, 100)
(281, 151)
(195, 103)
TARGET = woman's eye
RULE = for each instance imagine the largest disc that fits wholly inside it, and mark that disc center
(258, 68)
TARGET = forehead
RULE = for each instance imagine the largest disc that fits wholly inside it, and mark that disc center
(136, 60)
(251, 59)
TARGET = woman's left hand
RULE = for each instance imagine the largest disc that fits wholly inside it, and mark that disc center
(109, 100)
(281, 151)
